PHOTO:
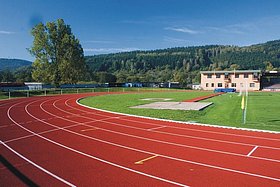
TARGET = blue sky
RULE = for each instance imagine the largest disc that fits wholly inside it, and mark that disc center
(107, 26)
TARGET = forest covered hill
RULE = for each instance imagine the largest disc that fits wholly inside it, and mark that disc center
(182, 64)
(13, 64)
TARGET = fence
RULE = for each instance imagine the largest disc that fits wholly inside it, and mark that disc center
(46, 92)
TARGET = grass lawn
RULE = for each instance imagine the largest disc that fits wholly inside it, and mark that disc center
(263, 108)
(3, 95)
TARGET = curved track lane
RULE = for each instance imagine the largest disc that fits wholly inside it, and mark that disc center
(54, 141)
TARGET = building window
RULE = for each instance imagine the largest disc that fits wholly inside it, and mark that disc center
(237, 76)
(252, 85)
(212, 84)
(209, 76)
(233, 84)
(226, 75)
(246, 75)
(220, 84)
(218, 75)
(256, 76)
(207, 84)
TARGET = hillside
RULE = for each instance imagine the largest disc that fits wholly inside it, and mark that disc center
(12, 64)
(182, 63)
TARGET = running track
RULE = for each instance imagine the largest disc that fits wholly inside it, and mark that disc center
(53, 141)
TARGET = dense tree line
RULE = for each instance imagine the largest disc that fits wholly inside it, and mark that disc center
(22, 74)
(180, 64)
(183, 63)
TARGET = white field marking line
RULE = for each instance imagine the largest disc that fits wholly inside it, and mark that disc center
(153, 153)
(251, 152)
(4, 126)
(260, 158)
(173, 134)
(151, 129)
(43, 132)
(90, 156)
(176, 144)
(36, 165)
(26, 159)
(198, 124)
(185, 123)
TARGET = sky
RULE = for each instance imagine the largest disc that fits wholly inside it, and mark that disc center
(109, 26)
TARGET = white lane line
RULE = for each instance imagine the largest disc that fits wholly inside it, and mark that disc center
(188, 123)
(174, 134)
(181, 145)
(26, 159)
(151, 129)
(164, 156)
(251, 152)
(180, 122)
(36, 165)
(149, 139)
(90, 156)
(43, 132)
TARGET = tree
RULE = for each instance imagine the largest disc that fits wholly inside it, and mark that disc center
(23, 74)
(104, 77)
(59, 55)
(7, 76)
(268, 66)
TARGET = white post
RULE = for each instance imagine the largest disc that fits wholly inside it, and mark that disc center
(77, 90)
(27, 93)
(9, 95)
(60, 91)
(45, 92)
(246, 103)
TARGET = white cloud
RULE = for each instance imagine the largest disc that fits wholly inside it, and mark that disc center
(110, 50)
(183, 29)
(6, 32)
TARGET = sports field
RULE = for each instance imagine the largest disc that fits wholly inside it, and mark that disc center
(54, 141)
(262, 108)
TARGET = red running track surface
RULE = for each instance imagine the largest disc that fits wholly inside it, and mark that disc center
(53, 141)
(203, 97)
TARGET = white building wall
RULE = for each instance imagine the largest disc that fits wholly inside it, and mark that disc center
(241, 82)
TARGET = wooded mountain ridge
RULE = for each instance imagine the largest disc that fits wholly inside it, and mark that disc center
(13, 64)
(180, 64)
(183, 64)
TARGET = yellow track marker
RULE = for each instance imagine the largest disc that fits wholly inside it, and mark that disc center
(146, 159)
(91, 129)
(243, 103)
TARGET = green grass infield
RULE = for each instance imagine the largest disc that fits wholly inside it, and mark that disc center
(262, 108)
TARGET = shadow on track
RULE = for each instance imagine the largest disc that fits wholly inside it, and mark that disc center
(17, 173)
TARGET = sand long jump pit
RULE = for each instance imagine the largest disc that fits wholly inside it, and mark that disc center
(175, 105)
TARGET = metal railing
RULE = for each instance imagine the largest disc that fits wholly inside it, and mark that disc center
(47, 92)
